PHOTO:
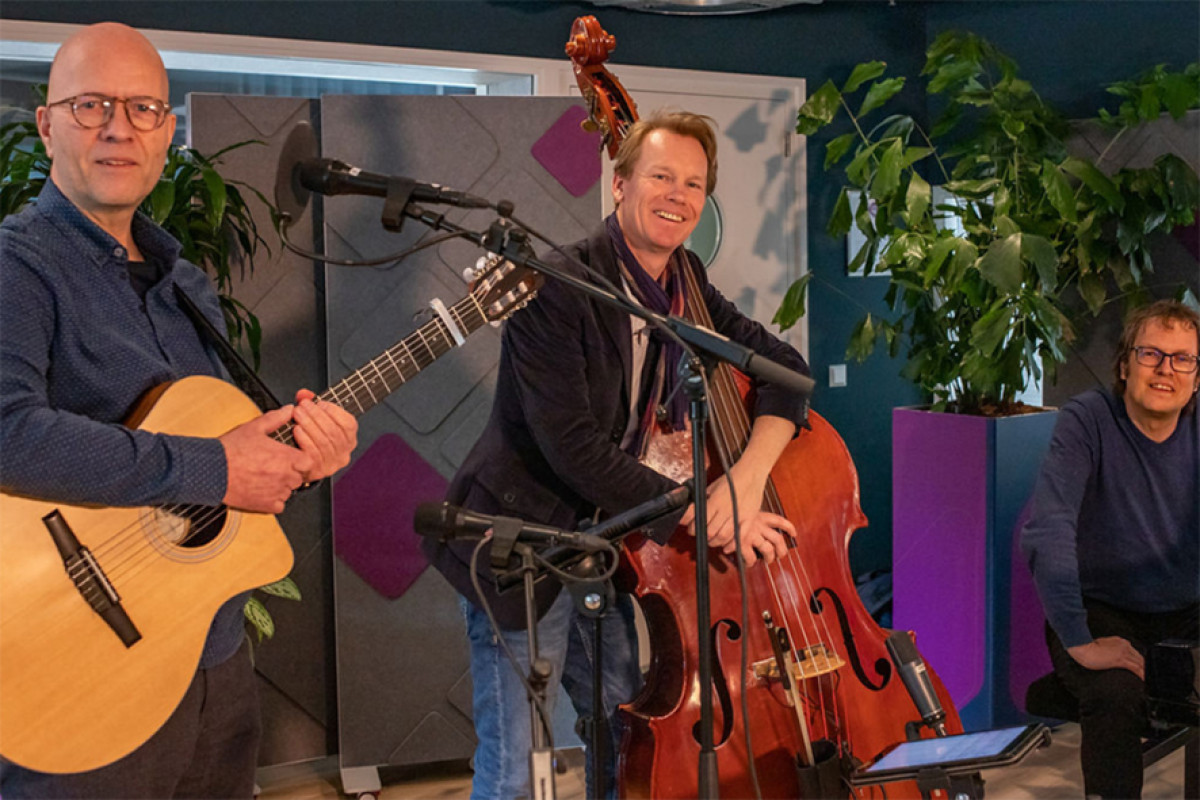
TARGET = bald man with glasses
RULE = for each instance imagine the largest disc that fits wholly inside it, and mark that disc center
(90, 322)
(1113, 539)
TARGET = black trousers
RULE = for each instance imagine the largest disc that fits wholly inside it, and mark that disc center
(1112, 702)
(208, 748)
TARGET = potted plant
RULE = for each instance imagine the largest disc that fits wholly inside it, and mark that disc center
(206, 212)
(992, 235)
(980, 280)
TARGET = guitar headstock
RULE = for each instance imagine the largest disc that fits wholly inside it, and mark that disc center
(500, 287)
(610, 109)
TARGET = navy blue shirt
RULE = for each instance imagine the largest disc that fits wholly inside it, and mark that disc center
(1115, 516)
(78, 348)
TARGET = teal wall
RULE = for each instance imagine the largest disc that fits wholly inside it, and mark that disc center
(1069, 50)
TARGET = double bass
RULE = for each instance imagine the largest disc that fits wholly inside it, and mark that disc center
(803, 687)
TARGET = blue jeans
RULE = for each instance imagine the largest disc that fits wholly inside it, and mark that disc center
(501, 709)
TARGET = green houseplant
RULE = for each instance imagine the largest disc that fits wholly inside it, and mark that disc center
(996, 243)
(984, 271)
(207, 213)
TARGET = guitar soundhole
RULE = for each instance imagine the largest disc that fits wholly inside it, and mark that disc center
(202, 524)
(190, 531)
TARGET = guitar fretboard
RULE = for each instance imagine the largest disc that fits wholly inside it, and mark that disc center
(368, 385)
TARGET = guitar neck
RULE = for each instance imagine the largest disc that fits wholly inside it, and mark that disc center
(368, 385)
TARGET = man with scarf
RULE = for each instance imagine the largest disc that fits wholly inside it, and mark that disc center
(580, 387)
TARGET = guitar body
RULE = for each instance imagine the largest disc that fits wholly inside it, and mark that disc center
(73, 696)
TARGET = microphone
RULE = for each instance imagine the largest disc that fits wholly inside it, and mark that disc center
(611, 529)
(916, 680)
(725, 349)
(643, 514)
(331, 177)
(445, 522)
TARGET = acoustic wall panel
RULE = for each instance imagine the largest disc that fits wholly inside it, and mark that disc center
(403, 682)
(286, 292)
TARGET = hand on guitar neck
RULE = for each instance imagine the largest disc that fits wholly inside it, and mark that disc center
(764, 535)
(263, 471)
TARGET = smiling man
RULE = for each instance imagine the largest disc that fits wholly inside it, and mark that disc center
(581, 387)
(1114, 536)
(90, 323)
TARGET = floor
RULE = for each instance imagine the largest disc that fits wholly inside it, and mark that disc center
(1048, 774)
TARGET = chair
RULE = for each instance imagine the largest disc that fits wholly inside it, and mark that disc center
(1048, 697)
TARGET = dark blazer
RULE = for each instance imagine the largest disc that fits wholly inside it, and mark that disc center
(551, 450)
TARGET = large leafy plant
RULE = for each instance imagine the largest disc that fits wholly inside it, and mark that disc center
(205, 211)
(985, 271)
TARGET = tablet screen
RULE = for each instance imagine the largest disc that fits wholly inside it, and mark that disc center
(947, 749)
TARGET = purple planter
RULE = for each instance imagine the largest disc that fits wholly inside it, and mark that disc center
(960, 485)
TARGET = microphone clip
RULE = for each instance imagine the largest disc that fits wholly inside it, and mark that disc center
(399, 195)
(505, 532)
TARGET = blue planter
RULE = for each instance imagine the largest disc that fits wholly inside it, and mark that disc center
(960, 489)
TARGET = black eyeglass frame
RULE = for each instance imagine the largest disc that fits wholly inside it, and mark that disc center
(109, 103)
(1142, 352)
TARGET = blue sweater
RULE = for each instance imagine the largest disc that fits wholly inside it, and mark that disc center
(1115, 516)
(78, 348)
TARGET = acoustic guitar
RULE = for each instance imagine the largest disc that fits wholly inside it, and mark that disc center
(104, 611)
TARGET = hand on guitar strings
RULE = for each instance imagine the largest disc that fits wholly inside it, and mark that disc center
(263, 471)
(325, 431)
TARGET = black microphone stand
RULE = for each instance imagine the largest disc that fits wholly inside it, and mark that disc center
(692, 372)
(594, 598)
(541, 756)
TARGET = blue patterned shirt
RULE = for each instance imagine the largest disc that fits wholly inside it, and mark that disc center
(78, 348)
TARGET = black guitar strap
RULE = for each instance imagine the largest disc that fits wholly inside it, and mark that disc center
(243, 376)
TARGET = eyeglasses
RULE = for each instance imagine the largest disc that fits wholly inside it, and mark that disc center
(96, 110)
(1184, 363)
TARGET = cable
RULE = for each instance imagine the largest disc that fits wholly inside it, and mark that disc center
(373, 262)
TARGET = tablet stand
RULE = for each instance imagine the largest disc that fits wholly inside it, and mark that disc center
(968, 786)
(956, 787)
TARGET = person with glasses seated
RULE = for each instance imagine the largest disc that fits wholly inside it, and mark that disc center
(90, 322)
(1113, 538)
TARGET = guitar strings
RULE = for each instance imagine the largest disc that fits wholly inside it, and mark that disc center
(128, 551)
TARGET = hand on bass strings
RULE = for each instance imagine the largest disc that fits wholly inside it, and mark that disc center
(1109, 652)
(763, 534)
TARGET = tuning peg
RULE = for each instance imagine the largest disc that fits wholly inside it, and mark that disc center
(471, 273)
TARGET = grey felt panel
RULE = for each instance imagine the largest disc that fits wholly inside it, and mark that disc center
(403, 682)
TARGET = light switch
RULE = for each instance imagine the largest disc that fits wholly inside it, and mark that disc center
(837, 375)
